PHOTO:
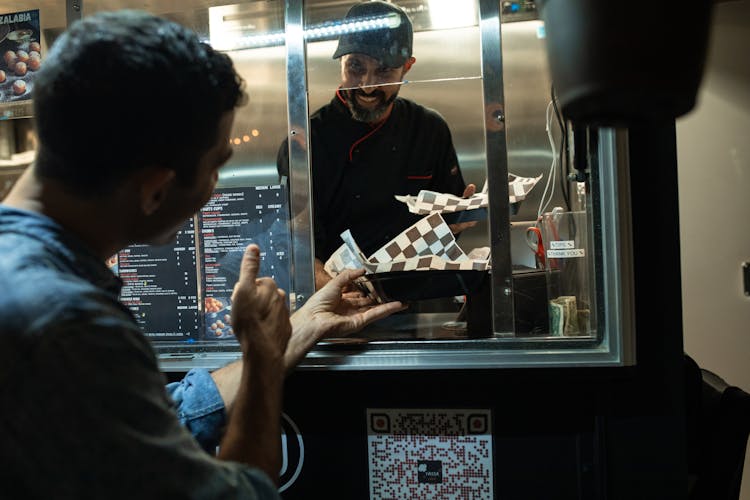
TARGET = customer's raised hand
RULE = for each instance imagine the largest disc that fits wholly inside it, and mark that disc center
(260, 317)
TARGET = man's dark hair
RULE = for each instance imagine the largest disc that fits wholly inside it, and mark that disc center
(122, 90)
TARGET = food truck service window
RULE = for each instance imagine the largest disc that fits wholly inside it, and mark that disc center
(422, 141)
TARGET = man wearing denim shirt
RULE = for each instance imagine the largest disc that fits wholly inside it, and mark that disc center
(133, 116)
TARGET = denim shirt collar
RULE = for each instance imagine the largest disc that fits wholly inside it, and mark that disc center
(67, 248)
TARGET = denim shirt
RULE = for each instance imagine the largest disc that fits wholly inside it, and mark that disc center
(199, 407)
(85, 413)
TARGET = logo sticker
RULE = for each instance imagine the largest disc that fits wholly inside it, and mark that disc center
(430, 471)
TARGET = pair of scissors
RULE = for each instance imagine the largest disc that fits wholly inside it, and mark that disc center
(536, 244)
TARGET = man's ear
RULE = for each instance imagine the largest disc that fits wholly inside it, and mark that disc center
(155, 182)
(408, 64)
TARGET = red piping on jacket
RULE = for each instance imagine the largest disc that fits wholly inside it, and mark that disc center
(358, 141)
(415, 177)
(351, 149)
(343, 101)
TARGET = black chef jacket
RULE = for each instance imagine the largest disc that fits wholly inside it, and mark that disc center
(357, 168)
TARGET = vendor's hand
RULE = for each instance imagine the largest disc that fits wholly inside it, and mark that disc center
(260, 317)
(332, 312)
(321, 275)
(457, 228)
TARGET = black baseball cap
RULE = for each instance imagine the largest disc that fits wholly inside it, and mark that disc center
(389, 42)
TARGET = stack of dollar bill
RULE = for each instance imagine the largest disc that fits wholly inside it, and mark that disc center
(565, 318)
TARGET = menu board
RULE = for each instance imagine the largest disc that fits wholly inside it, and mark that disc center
(160, 286)
(231, 220)
(182, 292)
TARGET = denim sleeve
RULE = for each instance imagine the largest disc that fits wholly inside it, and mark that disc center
(199, 407)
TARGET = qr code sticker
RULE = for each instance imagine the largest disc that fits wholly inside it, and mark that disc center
(430, 454)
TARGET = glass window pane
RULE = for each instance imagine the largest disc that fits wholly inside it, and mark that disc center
(187, 304)
(424, 140)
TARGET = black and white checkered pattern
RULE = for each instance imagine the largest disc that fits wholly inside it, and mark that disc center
(342, 258)
(439, 202)
(428, 236)
(519, 187)
(428, 244)
(430, 201)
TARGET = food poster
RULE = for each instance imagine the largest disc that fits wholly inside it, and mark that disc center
(20, 44)
(232, 219)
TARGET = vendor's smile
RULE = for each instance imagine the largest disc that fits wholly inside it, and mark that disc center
(371, 99)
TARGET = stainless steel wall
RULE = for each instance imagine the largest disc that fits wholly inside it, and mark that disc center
(446, 77)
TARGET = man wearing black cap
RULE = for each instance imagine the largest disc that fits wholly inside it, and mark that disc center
(368, 144)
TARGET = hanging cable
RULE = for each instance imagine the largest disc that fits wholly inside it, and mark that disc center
(564, 149)
(549, 187)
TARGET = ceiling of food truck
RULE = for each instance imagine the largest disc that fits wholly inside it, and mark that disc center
(326, 8)
(425, 14)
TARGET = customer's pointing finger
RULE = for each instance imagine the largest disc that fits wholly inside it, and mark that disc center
(250, 266)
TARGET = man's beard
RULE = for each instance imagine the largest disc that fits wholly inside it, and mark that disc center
(369, 115)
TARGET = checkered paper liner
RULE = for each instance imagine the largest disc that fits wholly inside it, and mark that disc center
(426, 245)
(430, 201)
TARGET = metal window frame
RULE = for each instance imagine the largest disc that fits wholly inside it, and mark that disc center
(615, 346)
(614, 291)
